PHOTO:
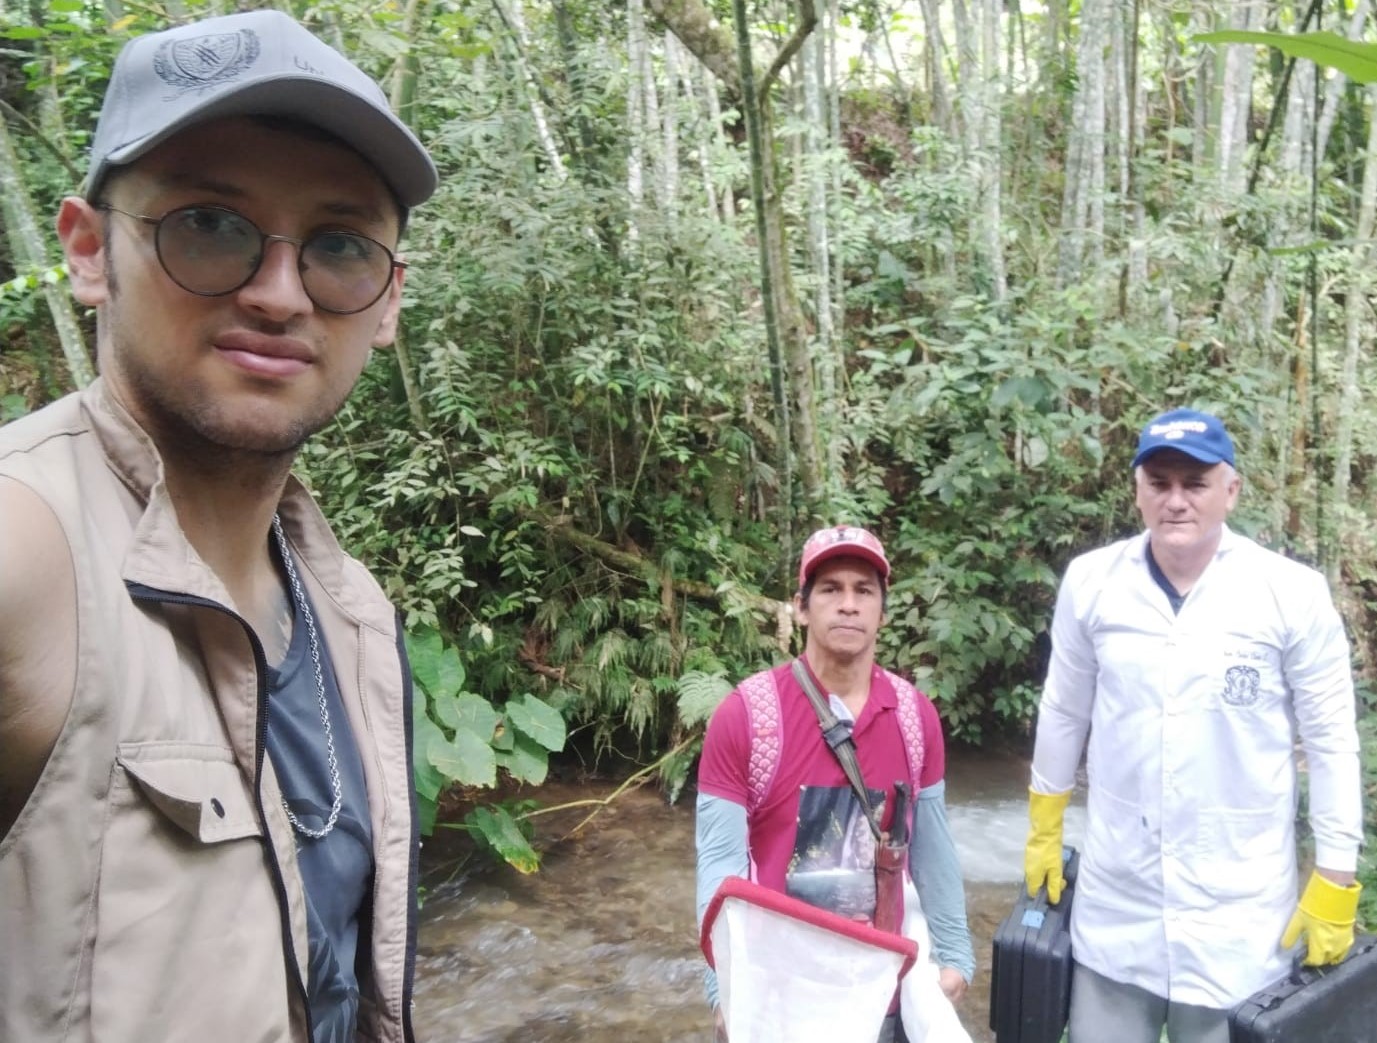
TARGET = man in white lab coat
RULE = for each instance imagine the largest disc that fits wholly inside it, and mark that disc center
(1193, 658)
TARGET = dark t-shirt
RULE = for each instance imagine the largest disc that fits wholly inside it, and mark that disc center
(337, 870)
(1160, 578)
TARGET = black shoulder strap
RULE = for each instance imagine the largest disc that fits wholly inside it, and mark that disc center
(837, 735)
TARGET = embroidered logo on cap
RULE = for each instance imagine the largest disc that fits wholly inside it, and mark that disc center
(1178, 429)
(203, 62)
(841, 534)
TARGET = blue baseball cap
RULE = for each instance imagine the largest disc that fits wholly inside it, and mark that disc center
(1200, 436)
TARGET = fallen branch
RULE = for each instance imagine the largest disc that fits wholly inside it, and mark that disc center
(598, 804)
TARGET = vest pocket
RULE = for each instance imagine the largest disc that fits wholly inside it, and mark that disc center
(206, 796)
(188, 941)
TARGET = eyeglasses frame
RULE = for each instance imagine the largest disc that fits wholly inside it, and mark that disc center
(266, 237)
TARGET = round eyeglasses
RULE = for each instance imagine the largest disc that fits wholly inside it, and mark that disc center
(212, 251)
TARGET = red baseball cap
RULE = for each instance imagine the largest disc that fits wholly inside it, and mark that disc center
(842, 541)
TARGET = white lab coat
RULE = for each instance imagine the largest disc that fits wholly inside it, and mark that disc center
(1189, 874)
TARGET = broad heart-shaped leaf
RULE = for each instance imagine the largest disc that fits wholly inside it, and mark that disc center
(538, 720)
(428, 779)
(499, 829)
(468, 712)
(1357, 61)
(436, 668)
(468, 759)
(526, 761)
(423, 649)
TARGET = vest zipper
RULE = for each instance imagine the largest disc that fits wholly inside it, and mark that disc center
(139, 592)
(414, 859)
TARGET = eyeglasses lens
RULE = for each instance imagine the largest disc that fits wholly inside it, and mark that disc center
(212, 251)
(344, 272)
(208, 251)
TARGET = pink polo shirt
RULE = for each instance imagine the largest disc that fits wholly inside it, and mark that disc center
(806, 761)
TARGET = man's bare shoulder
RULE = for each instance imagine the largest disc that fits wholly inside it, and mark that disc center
(37, 640)
(34, 559)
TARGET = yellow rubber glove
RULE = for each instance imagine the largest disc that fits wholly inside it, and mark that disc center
(1042, 856)
(1325, 916)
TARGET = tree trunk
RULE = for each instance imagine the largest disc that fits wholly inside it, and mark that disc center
(650, 98)
(699, 30)
(636, 47)
(1235, 99)
(1336, 82)
(991, 149)
(1292, 173)
(403, 100)
(720, 137)
(1355, 305)
(838, 160)
(968, 78)
(403, 97)
(786, 331)
(933, 49)
(26, 243)
(516, 24)
(813, 61)
(901, 89)
(977, 41)
(792, 329)
(669, 121)
(814, 64)
(686, 64)
(1082, 207)
(1202, 21)
(1135, 269)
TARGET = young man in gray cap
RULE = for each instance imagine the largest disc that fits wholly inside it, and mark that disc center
(205, 776)
(1193, 658)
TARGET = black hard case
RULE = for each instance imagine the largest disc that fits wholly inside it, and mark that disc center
(1315, 1005)
(1030, 978)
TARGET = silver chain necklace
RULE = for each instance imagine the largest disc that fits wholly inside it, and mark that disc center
(299, 596)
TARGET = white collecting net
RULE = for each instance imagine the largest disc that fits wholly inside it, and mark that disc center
(788, 972)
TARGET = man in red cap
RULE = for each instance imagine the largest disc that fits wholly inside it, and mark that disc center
(774, 802)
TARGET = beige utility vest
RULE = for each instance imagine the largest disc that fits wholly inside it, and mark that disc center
(149, 889)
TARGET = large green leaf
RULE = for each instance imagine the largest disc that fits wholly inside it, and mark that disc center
(468, 712)
(436, 668)
(467, 759)
(537, 719)
(1357, 61)
(499, 829)
(526, 761)
(423, 648)
(428, 778)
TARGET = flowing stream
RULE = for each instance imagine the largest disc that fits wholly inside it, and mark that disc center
(600, 945)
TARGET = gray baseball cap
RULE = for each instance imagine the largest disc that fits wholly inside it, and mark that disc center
(254, 64)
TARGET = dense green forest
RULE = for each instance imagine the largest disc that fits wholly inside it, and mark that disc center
(701, 276)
